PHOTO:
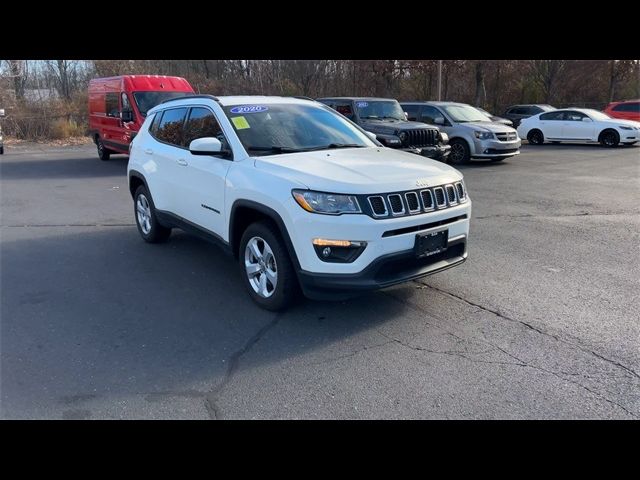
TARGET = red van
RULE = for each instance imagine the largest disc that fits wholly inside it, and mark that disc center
(118, 106)
(629, 110)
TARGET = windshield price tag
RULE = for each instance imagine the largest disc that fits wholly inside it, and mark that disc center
(240, 123)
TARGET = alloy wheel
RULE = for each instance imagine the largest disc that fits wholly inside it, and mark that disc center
(260, 266)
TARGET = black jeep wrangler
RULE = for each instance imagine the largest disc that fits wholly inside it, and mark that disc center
(385, 118)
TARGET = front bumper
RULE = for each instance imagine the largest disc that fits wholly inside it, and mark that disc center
(435, 152)
(495, 148)
(385, 271)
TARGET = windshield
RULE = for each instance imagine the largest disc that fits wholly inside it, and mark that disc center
(291, 127)
(596, 115)
(147, 100)
(465, 113)
(380, 110)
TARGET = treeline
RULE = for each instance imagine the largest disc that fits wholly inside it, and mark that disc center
(60, 85)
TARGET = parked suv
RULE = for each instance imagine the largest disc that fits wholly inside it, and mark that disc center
(385, 118)
(298, 194)
(516, 113)
(471, 133)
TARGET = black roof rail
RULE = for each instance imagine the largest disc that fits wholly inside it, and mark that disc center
(302, 97)
(192, 96)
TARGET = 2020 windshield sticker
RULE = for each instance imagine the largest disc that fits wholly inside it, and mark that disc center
(249, 109)
(362, 104)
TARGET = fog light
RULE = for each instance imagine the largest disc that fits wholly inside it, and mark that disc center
(326, 251)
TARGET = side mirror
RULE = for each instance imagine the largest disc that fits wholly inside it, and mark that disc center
(586, 119)
(406, 116)
(438, 121)
(371, 135)
(126, 116)
(205, 146)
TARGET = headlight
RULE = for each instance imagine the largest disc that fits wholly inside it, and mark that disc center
(444, 137)
(624, 127)
(402, 136)
(483, 135)
(326, 203)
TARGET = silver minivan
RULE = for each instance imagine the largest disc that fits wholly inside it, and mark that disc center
(471, 133)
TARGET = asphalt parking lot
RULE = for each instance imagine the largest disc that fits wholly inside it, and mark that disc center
(540, 322)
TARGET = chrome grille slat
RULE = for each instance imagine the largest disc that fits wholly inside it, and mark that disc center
(440, 198)
(395, 202)
(451, 194)
(412, 202)
(427, 200)
(374, 202)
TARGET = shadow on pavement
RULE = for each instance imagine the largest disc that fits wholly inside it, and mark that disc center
(101, 312)
(30, 168)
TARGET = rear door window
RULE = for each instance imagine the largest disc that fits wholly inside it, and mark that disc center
(170, 128)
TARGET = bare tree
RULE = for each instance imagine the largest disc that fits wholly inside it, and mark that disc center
(546, 74)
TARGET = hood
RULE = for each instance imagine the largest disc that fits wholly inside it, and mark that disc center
(620, 121)
(488, 126)
(389, 127)
(358, 170)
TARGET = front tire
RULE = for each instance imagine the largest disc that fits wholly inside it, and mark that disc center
(266, 268)
(535, 137)
(146, 219)
(609, 138)
(460, 153)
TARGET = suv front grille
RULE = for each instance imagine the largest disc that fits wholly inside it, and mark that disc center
(421, 137)
(416, 201)
(506, 136)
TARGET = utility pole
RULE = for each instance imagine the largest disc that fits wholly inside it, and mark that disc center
(439, 80)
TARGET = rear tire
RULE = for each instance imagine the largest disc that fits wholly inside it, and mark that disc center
(460, 153)
(103, 152)
(609, 138)
(146, 219)
(265, 267)
(2, 150)
(535, 137)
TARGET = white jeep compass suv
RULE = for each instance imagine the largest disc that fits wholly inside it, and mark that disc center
(301, 196)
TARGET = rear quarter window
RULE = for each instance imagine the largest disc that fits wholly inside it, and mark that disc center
(170, 127)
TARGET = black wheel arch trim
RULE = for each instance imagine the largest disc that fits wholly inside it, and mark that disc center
(270, 213)
(140, 176)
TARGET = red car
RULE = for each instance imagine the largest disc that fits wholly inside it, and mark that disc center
(629, 110)
(119, 105)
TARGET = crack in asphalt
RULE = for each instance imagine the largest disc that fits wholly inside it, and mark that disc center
(518, 361)
(530, 215)
(352, 354)
(212, 396)
(535, 329)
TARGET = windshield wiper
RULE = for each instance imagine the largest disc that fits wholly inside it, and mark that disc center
(274, 149)
(335, 145)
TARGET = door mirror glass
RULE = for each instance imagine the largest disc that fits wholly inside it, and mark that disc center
(586, 119)
(371, 135)
(205, 146)
(438, 121)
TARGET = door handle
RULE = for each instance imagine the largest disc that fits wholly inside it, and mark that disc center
(148, 151)
(182, 161)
